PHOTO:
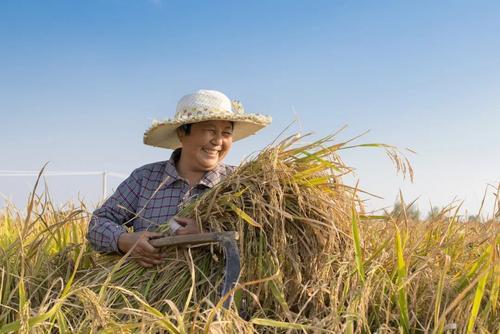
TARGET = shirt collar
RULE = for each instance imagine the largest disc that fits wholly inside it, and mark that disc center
(214, 176)
(209, 179)
(170, 174)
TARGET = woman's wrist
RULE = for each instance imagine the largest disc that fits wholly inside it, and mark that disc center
(121, 243)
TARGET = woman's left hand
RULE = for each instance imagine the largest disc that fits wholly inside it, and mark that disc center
(188, 226)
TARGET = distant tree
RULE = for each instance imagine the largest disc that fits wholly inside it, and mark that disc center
(434, 213)
(412, 212)
(473, 219)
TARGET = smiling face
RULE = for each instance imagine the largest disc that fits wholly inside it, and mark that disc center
(207, 143)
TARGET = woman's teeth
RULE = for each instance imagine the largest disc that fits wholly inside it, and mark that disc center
(211, 151)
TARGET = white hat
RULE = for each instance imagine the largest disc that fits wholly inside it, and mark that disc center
(204, 105)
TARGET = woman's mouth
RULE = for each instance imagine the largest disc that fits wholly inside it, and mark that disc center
(211, 151)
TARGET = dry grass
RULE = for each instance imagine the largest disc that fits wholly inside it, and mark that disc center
(312, 261)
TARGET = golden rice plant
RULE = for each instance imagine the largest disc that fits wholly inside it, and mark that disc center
(312, 261)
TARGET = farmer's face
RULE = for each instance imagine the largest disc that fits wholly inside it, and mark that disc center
(207, 144)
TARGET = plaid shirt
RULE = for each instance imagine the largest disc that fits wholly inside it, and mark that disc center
(150, 196)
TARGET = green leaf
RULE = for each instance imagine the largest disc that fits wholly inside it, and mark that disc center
(401, 279)
(477, 301)
(357, 245)
(278, 324)
(243, 215)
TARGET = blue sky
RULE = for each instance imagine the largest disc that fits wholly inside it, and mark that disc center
(80, 81)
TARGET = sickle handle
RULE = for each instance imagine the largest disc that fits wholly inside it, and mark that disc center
(193, 239)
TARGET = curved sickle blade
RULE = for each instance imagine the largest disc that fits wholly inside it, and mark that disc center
(232, 267)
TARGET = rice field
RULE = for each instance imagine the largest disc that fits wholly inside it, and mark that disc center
(313, 261)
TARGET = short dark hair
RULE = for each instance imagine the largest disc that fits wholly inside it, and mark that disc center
(186, 128)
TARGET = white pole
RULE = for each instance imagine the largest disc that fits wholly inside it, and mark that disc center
(104, 185)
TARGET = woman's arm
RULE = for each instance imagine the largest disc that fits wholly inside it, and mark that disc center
(108, 222)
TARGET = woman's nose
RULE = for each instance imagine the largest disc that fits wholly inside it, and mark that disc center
(217, 139)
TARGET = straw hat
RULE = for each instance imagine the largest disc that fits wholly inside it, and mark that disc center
(204, 105)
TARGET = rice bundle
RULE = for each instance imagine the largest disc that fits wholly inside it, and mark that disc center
(291, 211)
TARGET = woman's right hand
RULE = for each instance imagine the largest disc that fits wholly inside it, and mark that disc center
(186, 226)
(142, 251)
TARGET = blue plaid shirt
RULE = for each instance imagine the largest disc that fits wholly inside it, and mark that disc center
(150, 196)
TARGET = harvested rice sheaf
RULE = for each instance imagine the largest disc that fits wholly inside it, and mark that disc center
(291, 212)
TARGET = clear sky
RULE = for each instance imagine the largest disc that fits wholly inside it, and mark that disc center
(80, 81)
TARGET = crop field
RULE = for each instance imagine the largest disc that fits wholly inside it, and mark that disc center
(313, 261)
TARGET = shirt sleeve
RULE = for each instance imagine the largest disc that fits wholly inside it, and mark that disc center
(173, 226)
(109, 221)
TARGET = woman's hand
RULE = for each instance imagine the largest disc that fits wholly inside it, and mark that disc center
(187, 226)
(142, 251)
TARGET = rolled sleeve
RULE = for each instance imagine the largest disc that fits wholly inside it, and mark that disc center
(110, 220)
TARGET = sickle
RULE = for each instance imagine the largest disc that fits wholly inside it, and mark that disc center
(228, 242)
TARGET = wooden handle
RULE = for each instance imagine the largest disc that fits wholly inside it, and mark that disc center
(192, 239)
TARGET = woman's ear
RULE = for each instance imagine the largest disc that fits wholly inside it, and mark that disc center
(180, 134)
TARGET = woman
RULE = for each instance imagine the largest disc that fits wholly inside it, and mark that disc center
(205, 125)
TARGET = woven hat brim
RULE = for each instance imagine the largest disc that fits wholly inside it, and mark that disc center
(163, 134)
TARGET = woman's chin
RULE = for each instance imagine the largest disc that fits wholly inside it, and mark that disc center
(209, 164)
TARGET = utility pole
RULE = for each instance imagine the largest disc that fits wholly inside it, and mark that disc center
(104, 185)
